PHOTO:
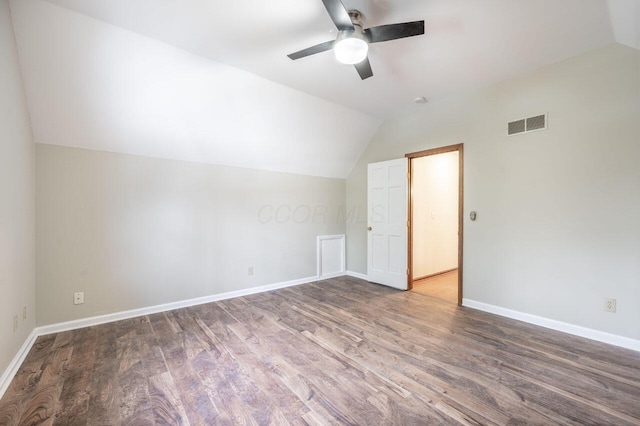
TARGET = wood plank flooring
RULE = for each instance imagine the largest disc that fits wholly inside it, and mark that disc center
(339, 351)
(443, 286)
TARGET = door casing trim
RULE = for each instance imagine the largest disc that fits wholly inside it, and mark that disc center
(434, 151)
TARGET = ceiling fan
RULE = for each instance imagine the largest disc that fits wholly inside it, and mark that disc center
(352, 44)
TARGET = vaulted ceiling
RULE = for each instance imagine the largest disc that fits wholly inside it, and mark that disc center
(210, 81)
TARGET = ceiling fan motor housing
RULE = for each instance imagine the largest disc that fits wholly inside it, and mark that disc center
(356, 17)
(357, 32)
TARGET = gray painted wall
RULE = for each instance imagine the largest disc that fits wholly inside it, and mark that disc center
(558, 226)
(17, 200)
(133, 232)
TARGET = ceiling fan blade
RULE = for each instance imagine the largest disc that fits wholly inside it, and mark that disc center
(364, 69)
(322, 47)
(339, 14)
(394, 31)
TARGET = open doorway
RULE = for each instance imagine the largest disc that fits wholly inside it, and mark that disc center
(435, 210)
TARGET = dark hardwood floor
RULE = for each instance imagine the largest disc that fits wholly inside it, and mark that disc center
(340, 351)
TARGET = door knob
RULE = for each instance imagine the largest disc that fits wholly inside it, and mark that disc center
(369, 228)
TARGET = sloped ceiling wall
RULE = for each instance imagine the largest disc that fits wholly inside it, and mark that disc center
(90, 83)
(93, 85)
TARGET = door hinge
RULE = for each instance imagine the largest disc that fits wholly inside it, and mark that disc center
(408, 224)
(407, 271)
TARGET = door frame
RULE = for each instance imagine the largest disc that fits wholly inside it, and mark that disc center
(434, 151)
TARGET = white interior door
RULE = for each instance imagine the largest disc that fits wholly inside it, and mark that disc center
(387, 227)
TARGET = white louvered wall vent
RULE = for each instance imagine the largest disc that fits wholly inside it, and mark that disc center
(526, 125)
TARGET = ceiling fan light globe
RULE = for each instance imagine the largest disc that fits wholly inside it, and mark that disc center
(351, 50)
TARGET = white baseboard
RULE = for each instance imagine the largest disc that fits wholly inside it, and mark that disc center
(12, 369)
(358, 275)
(332, 275)
(576, 330)
(16, 362)
(117, 316)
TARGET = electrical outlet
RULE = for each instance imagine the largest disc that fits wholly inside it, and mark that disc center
(15, 323)
(24, 312)
(78, 298)
(610, 305)
(250, 271)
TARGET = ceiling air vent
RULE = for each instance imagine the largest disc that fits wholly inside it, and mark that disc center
(526, 125)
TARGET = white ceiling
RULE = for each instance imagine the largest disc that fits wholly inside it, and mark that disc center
(209, 81)
(468, 44)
